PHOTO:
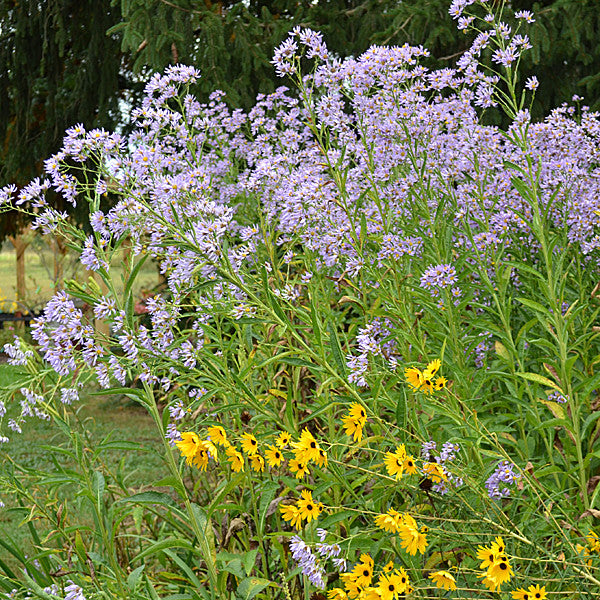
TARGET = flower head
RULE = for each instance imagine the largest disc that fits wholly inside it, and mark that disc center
(444, 580)
(249, 444)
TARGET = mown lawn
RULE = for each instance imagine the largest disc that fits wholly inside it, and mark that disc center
(39, 273)
(98, 418)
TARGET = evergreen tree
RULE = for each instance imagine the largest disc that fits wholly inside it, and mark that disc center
(58, 67)
(232, 41)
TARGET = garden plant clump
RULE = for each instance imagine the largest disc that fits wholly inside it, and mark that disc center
(373, 362)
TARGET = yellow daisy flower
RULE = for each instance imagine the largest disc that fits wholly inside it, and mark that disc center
(534, 592)
(307, 448)
(444, 580)
(414, 377)
(389, 522)
(217, 435)
(413, 539)
(439, 383)
(283, 440)
(433, 367)
(390, 585)
(354, 421)
(497, 573)
(235, 458)
(257, 462)
(409, 465)
(273, 456)
(309, 509)
(291, 513)
(435, 472)
(394, 462)
(298, 468)
(249, 444)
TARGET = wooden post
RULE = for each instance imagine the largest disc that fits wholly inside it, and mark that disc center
(59, 252)
(20, 243)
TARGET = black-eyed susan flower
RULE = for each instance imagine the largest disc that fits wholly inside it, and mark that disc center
(390, 585)
(403, 580)
(217, 435)
(283, 440)
(498, 573)
(394, 462)
(354, 421)
(257, 462)
(389, 522)
(249, 444)
(200, 459)
(409, 465)
(306, 448)
(427, 386)
(413, 539)
(235, 458)
(189, 445)
(389, 567)
(443, 580)
(309, 509)
(337, 594)
(489, 554)
(414, 377)
(534, 592)
(273, 456)
(439, 383)
(321, 460)
(435, 472)
(206, 450)
(299, 469)
(360, 576)
(432, 368)
(291, 513)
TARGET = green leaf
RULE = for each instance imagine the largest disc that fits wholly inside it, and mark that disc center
(98, 485)
(150, 498)
(164, 545)
(268, 491)
(134, 577)
(249, 587)
(534, 305)
(336, 349)
(540, 379)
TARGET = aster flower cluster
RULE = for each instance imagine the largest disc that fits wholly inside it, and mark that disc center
(502, 477)
(308, 562)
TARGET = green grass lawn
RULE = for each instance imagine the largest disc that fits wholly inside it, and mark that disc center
(98, 417)
(39, 272)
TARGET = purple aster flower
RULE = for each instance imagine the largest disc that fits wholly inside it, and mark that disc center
(73, 592)
(498, 482)
(438, 277)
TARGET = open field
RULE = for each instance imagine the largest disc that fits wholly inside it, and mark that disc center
(97, 418)
(39, 272)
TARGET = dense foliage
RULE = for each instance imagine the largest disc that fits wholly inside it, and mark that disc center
(373, 363)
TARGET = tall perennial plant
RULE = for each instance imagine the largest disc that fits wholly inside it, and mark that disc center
(372, 363)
